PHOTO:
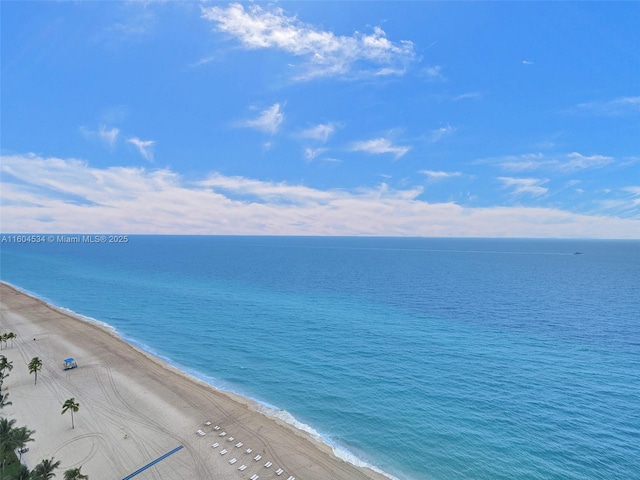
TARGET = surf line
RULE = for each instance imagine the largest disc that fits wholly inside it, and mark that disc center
(151, 464)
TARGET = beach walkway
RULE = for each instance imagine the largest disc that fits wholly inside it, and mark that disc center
(151, 464)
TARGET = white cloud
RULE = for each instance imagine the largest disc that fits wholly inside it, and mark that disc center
(379, 145)
(439, 133)
(268, 121)
(576, 161)
(320, 132)
(435, 175)
(145, 147)
(635, 194)
(52, 195)
(324, 53)
(527, 62)
(570, 162)
(108, 136)
(434, 73)
(311, 153)
(624, 202)
(468, 96)
(617, 106)
(528, 186)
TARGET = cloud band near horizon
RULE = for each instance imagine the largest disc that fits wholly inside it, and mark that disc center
(52, 195)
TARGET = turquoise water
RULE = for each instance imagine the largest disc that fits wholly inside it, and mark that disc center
(427, 358)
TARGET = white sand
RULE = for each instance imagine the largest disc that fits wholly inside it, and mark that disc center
(134, 408)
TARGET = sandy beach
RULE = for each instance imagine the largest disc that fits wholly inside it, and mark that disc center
(134, 409)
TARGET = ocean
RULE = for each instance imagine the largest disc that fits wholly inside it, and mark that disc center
(425, 358)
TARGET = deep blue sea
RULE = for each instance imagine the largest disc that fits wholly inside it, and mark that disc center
(426, 358)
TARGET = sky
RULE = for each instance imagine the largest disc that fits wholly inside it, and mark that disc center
(434, 119)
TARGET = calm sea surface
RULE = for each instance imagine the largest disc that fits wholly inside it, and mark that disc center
(427, 358)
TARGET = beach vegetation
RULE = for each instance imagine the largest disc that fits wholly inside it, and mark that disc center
(4, 400)
(35, 365)
(75, 474)
(5, 365)
(70, 405)
(11, 439)
(5, 337)
(21, 473)
(45, 469)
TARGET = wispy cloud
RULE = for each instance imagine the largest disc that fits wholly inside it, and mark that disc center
(468, 96)
(268, 121)
(135, 22)
(108, 136)
(320, 132)
(569, 162)
(434, 73)
(439, 133)
(457, 97)
(312, 153)
(624, 202)
(145, 147)
(324, 53)
(52, 195)
(577, 161)
(617, 106)
(634, 191)
(436, 175)
(527, 62)
(380, 145)
(525, 186)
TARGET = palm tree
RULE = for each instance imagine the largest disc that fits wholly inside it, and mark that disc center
(75, 474)
(21, 436)
(72, 406)
(22, 473)
(34, 365)
(44, 470)
(6, 446)
(4, 400)
(12, 438)
(11, 336)
(4, 365)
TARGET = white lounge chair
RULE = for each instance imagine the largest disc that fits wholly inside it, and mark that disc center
(215, 445)
(230, 439)
(207, 424)
(291, 478)
(232, 461)
(223, 434)
(254, 477)
(268, 464)
(216, 428)
(222, 452)
(279, 472)
(238, 445)
(201, 433)
(248, 450)
(257, 457)
(242, 468)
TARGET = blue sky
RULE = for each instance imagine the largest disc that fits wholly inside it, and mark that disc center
(491, 119)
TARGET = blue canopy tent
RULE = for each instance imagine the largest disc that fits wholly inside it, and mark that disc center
(69, 363)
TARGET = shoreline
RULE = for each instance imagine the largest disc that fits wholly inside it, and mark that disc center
(154, 385)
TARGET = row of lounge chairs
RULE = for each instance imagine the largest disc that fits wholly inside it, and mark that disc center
(234, 460)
